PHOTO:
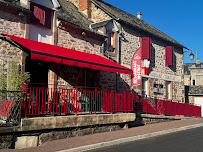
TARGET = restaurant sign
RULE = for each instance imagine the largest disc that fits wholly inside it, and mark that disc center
(136, 67)
(165, 77)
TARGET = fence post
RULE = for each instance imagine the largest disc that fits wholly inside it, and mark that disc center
(125, 101)
(156, 106)
(111, 95)
(26, 87)
(132, 108)
(21, 86)
(95, 102)
(76, 102)
(53, 108)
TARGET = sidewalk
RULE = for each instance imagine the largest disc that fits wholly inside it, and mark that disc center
(115, 137)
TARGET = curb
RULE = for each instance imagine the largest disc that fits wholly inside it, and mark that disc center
(129, 139)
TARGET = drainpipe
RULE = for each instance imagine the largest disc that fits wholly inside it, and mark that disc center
(118, 54)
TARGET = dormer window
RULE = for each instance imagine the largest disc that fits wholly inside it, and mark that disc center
(111, 30)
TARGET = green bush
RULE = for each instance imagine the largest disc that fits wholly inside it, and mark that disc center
(12, 80)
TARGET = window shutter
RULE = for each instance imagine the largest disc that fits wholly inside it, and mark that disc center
(146, 48)
(40, 15)
(170, 55)
(114, 42)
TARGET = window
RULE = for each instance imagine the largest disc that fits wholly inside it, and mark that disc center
(193, 82)
(111, 42)
(168, 90)
(144, 87)
(41, 21)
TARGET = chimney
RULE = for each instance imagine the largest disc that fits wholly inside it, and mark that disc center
(139, 15)
(198, 61)
(85, 7)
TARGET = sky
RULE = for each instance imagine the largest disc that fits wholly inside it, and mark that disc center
(180, 19)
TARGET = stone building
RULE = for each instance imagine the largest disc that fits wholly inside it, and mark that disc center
(127, 34)
(95, 27)
(194, 95)
(193, 81)
(193, 73)
(58, 23)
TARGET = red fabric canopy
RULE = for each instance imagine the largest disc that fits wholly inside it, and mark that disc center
(53, 53)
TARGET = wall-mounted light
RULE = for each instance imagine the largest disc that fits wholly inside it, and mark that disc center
(21, 14)
(83, 34)
(191, 56)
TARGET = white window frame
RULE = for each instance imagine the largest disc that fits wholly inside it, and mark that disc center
(145, 87)
(168, 89)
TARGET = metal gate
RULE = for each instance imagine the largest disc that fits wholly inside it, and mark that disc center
(10, 107)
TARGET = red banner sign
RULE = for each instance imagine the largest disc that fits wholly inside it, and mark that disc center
(136, 67)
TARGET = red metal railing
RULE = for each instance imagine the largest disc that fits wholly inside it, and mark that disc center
(53, 100)
(170, 108)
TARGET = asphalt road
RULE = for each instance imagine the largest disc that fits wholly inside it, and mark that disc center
(184, 141)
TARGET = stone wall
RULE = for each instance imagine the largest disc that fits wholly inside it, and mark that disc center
(13, 25)
(9, 53)
(158, 65)
(197, 75)
(74, 132)
(35, 131)
(20, 140)
(159, 56)
(191, 99)
(76, 76)
(129, 45)
(107, 80)
(6, 141)
(97, 15)
(187, 80)
(70, 39)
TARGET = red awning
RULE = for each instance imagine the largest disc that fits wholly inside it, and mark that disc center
(56, 54)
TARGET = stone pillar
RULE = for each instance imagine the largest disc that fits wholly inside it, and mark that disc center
(52, 76)
(26, 29)
(148, 89)
(171, 90)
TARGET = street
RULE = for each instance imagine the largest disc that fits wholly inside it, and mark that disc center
(184, 141)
